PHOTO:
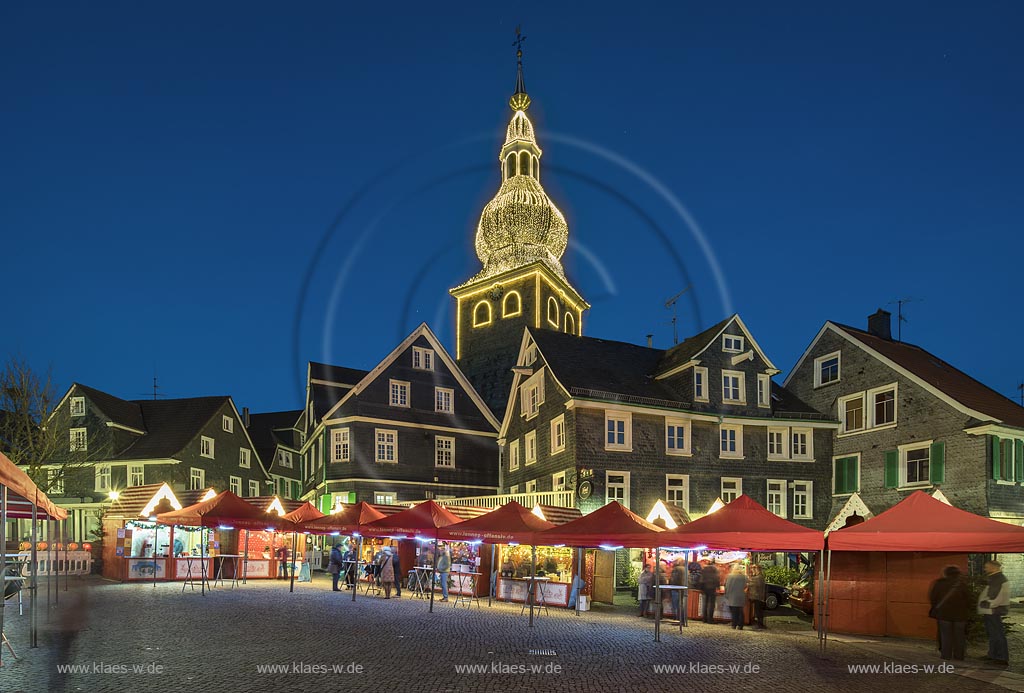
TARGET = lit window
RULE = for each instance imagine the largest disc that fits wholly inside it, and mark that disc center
(731, 441)
(235, 485)
(443, 399)
(384, 498)
(387, 446)
(227, 423)
(206, 447)
(514, 488)
(618, 431)
(700, 384)
(511, 305)
(677, 490)
(764, 388)
(482, 314)
(851, 410)
(444, 452)
(78, 406)
(244, 455)
(732, 343)
(777, 497)
(399, 393)
(553, 312)
(616, 486)
(530, 443)
(254, 488)
(196, 479)
(826, 369)
(802, 494)
(136, 475)
(802, 447)
(423, 359)
(558, 434)
(513, 455)
(569, 324)
(103, 477)
(558, 482)
(79, 440)
(340, 447)
(54, 482)
(732, 488)
(732, 387)
(677, 437)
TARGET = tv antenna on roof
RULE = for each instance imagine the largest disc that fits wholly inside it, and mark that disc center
(671, 303)
(156, 390)
(899, 314)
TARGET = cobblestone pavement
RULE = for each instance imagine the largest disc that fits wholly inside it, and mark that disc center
(220, 641)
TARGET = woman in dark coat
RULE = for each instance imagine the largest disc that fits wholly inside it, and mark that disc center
(951, 606)
(756, 593)
(334, 566)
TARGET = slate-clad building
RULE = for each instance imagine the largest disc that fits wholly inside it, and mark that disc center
(277, 438)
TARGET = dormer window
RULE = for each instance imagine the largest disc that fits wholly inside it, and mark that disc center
(732, 344)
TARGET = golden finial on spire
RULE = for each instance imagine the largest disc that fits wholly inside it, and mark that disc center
(519, 101)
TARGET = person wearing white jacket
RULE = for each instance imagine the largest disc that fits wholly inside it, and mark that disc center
(993, 604)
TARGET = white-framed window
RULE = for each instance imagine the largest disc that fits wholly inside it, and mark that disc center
(731, 441)
(732, 344)
(618, 427)
(284, 458)
(777, 497)
(915, 464)
(384, 497)
(558, 481)
(732, 488)
(102, 477)
(531, 395)
(443, 398)
(1007, 460)
(244, 458)
(341, 447)
(531, 486)
(387, 445)
(206, 447)
(530, 443)
(55, 482)
(513, 489)
(444, 452)
(78, 406)
(227, 423)
(802, 444)
(553, 312)
(677, 437)
(826, 369)
(235, 485)
(558, 434)
(79, 439)
(851, 413)
(700, 384)
(513, 455)
(422, 359)
(616, 487)
(733, 390)
(254, 488)
(399, 393)
(136, 475)
(764, 390)
(803, 494)
(530, 355)
(882, 406)
(778, 439)
(677, 490)
(196, 479)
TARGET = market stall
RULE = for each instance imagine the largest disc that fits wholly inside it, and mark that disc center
(349, 521)
(881, 569)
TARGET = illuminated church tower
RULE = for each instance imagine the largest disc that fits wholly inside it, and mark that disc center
(520, 240)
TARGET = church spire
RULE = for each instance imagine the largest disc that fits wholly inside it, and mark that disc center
(519, 100)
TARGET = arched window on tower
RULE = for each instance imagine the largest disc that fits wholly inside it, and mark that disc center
(510, 166)
(511, 305)
(536, 169)
(482, 314)
(524, 163)
(569, 323)
(553, 312)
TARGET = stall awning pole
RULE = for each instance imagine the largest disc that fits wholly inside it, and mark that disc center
(494, 576)
(67, 557)
(291, 564)
(355, 568)
(202, 562)
(828, 601)
(63, 541)
(51, 551)
(433, 576)
(245, 558)
(3, 558)
(533, 582)
(657, 594)
(579, 575)
(34, 589)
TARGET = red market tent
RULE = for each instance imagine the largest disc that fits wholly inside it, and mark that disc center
(611, 524)
(304, 513)
(922, 523)
(353, 518)
(511, 523)
(225, 509)
(422, 521)
(22, 494)
(745, 525)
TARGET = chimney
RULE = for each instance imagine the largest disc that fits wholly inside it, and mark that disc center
(245, 416)
(650, 341)
(880, 324)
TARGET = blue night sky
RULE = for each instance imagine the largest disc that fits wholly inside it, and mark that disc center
(220, 192)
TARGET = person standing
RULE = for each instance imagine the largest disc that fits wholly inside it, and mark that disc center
(993, 605)
(398, 571)
(645, 588)
(334, 566)
(736, 594)
(282, 563)
(349, 562)
(709, 582)
(677, 577)
(387, 572)
(756, 593)
(444, 566)
(951, 606)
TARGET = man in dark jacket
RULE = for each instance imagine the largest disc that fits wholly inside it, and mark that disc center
(335, 566)
(951, 606)
(709, 583)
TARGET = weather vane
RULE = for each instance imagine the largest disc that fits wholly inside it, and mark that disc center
(518, 43)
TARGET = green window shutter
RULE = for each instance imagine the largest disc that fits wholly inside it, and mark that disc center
(995, 457)
(326, 501)
(851, 475)
(892, 471)
(1018, 460)
(937, 463)
(839, 469)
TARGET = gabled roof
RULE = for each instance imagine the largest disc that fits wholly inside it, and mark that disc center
(931, 372)
(118, 410)
(510, 523)
(170, 425)
(328, 385)
(613, 524)
(262, 431)
(339, 375)
(745, 525)
(693, 347)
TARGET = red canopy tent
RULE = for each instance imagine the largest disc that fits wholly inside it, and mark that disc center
(23, 494)
(304, 513)
(745, 525)
(225, 508)
(420, 521)
(611, 524)
(511, 523)
(353, 518)
(922, 523)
